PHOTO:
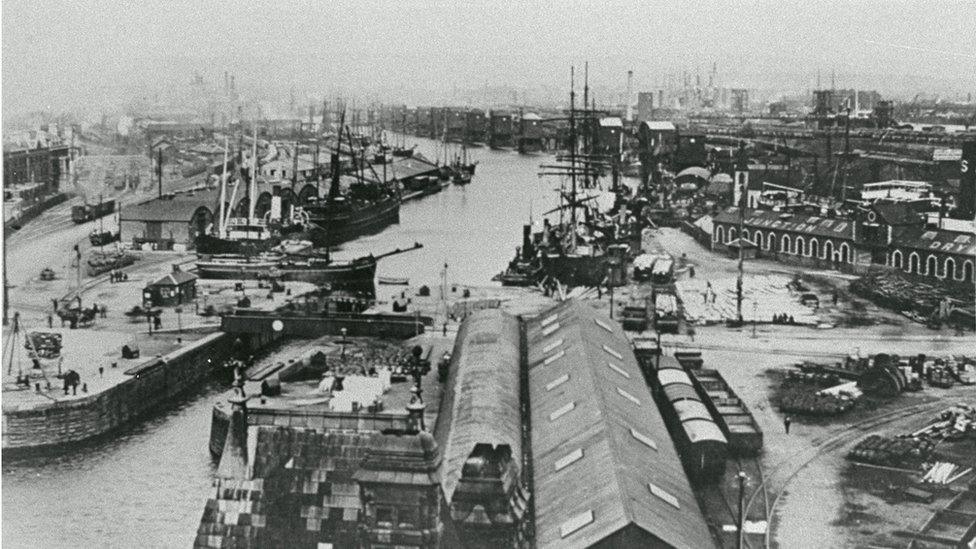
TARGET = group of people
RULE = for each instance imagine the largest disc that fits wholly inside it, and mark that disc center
(783, 319)
(118, 276)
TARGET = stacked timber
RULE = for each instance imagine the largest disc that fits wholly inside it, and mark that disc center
(943, 472)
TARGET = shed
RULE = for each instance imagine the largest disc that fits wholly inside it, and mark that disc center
(748, 248)
(175, 288)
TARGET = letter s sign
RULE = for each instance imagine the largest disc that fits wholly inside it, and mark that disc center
(964, 166)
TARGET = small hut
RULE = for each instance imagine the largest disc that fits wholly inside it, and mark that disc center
(748, 248)
(176, 288)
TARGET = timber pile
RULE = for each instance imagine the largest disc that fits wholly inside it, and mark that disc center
(895, 292)
(943, 472)
(892, 451)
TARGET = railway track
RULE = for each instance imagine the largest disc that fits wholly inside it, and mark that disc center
(753, 469)
(784, 472)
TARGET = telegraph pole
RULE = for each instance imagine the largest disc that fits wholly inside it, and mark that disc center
(741, 183)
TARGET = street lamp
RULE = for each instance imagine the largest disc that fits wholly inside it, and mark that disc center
(742, 488)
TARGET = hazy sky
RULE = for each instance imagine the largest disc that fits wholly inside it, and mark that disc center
(61, 54)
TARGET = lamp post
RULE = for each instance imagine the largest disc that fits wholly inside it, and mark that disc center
(755, 307)
(179, 319)
(742, 488)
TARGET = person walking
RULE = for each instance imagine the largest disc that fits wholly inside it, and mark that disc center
(786, 423)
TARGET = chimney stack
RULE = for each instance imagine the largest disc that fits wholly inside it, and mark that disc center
(630, 92)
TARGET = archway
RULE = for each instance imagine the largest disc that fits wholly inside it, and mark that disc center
(931, 266)
(202, 219)
(913, 262)
(307, 194)
(242, 207)
(814, 248)
(896, 259)
(720, 234)
(829, 250)
(845, 253)
(784, 244)
(759, 240)
(950, 269)
(262, 205)
(732, 234)
(770, 241)
(967, 271)
(800, 246)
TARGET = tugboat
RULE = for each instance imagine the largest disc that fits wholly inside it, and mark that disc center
(525, 268)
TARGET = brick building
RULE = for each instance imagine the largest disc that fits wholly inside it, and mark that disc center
(886, 235)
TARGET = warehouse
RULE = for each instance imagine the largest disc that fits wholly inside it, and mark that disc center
(479, 432)
(605, 471)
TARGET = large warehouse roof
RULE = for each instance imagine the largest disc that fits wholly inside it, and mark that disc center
(603, 461)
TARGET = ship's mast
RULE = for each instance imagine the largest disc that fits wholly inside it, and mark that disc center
(572, 154)
(586, 122)
(253, 187)
(223, 191)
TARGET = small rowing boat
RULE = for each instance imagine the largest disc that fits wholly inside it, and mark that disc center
(393, 281)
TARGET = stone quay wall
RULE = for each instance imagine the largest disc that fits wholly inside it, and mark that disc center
(65, 422)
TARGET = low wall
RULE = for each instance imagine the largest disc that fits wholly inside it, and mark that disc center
(59, 423)
(356, 325)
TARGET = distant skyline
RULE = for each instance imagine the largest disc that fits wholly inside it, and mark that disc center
(65, 56)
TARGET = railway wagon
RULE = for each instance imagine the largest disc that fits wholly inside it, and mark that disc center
(666, 313)
(88, 212)
(662, 273)
(731, 414)
(701, 443)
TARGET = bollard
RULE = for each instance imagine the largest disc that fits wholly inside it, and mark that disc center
(37, 387)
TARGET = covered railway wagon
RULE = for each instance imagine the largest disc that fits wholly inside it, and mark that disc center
(731, 414)
(701, 443)
(89, 212)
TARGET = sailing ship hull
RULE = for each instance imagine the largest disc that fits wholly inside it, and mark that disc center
(358, 273)
(331, 230)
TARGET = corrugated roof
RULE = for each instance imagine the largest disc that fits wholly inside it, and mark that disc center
(801, 223)
(629, 472)
(481, 399)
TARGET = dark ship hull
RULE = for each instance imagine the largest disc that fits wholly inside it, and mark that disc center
(213, 245)
(331, 226)
(576, 270)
